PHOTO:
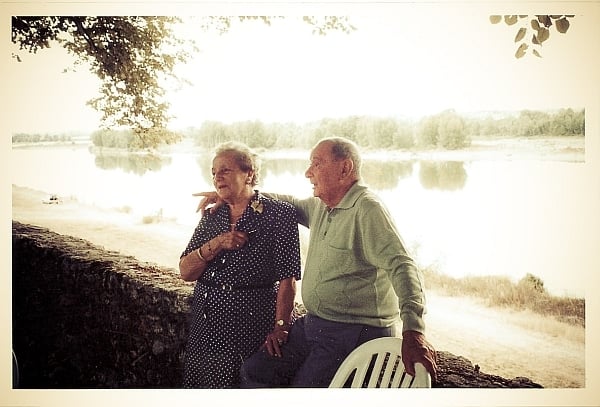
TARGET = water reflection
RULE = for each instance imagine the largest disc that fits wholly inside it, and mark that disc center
(204, 162)
(380, 175)
(135, 163)
(442, 175)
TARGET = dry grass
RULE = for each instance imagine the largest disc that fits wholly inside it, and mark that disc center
(526, 295)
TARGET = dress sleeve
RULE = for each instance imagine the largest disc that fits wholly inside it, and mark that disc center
(198, 238)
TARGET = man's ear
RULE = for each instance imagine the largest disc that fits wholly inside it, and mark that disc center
(348, 168)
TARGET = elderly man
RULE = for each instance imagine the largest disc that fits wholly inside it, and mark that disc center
(358, 279)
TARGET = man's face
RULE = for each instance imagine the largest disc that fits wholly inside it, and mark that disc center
(324, 173)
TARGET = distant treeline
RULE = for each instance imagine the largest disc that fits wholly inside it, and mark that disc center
(40, 138)
(446, 130)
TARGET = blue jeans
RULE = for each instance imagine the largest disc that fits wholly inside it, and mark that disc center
(314, 351)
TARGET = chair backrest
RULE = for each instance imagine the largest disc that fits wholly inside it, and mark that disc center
(378, 363)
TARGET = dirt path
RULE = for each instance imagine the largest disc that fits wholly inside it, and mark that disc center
(501, 342)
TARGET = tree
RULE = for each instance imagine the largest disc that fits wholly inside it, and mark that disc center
(253, 133)
(426, 133)
(532, 123)
(212, 133)
(134, 57)
(404, 138)
(539, 24)
(452, 133)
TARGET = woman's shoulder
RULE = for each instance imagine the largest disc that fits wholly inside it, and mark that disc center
(276, 205)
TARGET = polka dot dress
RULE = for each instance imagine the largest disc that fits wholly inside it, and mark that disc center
(234, 300)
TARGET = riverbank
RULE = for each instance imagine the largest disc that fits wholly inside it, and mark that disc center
(502, 342)
(565, 149)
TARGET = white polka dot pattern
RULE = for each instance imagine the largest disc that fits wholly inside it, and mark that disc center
(229, 325)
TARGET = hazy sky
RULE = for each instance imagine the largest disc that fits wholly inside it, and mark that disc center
(403, 60)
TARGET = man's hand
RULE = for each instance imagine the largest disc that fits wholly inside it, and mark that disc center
(209, 202)
(415, 348)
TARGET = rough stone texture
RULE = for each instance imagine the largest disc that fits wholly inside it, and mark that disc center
(85, 317)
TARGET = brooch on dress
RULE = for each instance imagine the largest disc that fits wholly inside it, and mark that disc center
(257, 206)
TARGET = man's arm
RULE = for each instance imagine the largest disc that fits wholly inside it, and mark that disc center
(383, 247)
(304, 207)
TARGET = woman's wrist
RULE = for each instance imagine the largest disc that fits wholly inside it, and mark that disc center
(281, 325)
(212, 248)
(198, 252)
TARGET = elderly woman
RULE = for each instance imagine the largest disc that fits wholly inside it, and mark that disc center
(245, 260)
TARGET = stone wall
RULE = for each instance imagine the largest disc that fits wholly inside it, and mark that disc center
(84, 317)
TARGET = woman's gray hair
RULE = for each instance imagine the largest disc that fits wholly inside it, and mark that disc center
(343, 148)
(243, 155)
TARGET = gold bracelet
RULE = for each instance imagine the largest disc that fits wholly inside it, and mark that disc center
(200, 254)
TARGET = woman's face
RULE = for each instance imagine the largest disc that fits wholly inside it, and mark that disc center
(229, 180)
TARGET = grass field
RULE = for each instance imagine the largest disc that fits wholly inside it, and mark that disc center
(526, 295)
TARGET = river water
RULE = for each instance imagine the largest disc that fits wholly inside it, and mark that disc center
(478, 217)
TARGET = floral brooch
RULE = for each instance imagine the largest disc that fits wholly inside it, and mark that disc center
(257, 206)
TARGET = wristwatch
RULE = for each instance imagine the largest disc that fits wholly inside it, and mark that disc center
(280, 322)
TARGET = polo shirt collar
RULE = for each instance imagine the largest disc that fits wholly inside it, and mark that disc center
(352, 195)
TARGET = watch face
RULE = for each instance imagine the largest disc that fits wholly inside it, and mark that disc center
(280, 322)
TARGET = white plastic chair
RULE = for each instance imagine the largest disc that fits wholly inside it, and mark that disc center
(378, 363)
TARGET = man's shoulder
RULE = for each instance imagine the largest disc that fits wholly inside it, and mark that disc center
(368, 198)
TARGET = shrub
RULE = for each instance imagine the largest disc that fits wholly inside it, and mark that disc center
(533, 282)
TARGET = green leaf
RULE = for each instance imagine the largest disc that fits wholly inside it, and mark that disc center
(545, 20)
(495, 19)
(510, 20)
(562, 25)
(534, 40)
(535, 25)
(521, 50)
(537, 54)
(520, 34)
(543, 34)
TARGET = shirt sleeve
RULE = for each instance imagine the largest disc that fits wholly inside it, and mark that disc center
(383, 247)
(304, 207)
(287, 245)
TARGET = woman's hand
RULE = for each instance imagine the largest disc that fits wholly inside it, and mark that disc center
(274, 341)
(210, 201)
(232, 240)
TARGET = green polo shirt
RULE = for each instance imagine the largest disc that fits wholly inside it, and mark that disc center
(357, 268)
